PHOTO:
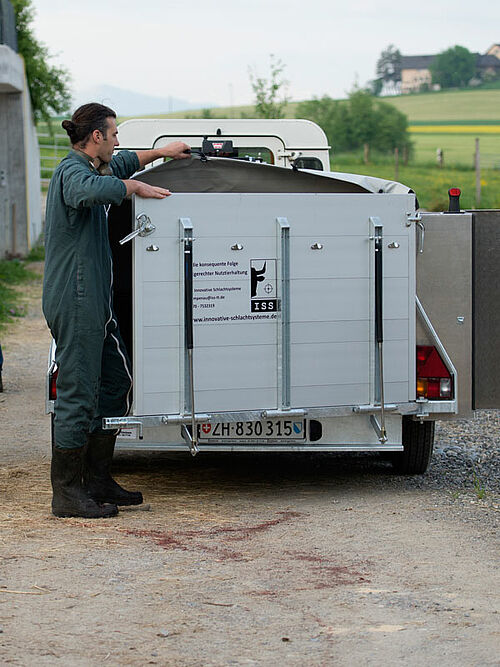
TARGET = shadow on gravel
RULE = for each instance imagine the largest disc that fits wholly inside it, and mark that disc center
(451, 470)
(245, 470)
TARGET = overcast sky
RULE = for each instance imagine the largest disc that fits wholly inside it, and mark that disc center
(201, 51)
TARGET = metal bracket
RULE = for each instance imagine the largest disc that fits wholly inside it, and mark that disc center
(187, 240)
(191, 440)
(284, 340)
(440, 347)
(113, 423)
(379, 430)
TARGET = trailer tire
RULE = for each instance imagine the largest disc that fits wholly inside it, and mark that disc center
(418, 443)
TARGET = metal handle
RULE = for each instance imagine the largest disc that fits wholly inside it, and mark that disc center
(144, 228)
(420, 236)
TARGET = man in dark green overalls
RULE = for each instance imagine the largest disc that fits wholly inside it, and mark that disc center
(94, 372)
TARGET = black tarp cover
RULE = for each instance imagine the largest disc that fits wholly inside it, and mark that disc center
(227, 175)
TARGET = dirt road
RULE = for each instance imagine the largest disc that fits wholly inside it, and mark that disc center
(240, 560)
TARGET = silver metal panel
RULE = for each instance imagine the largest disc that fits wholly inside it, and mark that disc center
(235, 333)
(330, 363)
(444, 287)
(486, 355)
(237, 358)
(232, 399)
(339, 257)
(325, 332)
(161, 336)
(235, 367)
(321, 300)
(156, 403)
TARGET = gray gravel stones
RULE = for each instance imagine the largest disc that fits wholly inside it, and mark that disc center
(466, 454)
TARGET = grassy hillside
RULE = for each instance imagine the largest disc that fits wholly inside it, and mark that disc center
(466, 106)
(456, 105)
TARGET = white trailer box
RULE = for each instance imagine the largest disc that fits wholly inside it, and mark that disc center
(269, 308)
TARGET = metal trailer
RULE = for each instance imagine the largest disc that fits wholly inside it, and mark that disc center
(277, 309)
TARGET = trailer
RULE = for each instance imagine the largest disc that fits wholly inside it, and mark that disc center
(270, 305)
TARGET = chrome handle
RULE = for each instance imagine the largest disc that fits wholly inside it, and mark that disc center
(420, 236)
(145, 228)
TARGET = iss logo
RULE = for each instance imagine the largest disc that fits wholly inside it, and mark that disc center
(263, 294)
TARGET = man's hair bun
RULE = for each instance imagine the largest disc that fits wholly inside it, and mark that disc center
(68, 125)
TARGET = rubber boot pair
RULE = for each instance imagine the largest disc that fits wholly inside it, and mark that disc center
(99, 484)
(82, 484)
(69, 498)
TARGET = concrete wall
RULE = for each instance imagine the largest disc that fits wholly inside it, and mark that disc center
(20, 210)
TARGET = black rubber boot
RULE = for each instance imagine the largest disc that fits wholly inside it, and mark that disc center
(69, 497)
(99, 484)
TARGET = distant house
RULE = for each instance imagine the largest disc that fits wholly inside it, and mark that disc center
(416, 73)
(494, 50)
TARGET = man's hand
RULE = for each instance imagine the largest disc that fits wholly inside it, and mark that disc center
(145, 190)
(177, 150)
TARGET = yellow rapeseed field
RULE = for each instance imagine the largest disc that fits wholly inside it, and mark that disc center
(455, 129)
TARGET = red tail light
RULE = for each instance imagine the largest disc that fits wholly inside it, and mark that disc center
(52, 385)
(433, 378)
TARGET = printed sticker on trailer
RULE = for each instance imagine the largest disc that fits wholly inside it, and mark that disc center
(263, 286)
(128, 433)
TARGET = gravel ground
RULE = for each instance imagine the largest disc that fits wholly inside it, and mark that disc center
(247, 560)
(466, 455)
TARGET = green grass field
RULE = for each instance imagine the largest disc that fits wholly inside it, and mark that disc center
(458, 149)
(456, 105)
(430, 183)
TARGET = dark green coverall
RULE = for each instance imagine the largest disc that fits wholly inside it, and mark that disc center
(94, 378)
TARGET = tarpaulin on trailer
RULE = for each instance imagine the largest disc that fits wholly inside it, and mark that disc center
(227, 175)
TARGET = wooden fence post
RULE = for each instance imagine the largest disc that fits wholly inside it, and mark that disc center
(477, 166)
(396, 164)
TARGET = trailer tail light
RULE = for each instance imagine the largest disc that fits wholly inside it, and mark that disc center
(52, 384)
(434, 381)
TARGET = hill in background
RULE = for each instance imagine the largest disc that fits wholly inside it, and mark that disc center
(456, 106)
(129, 103)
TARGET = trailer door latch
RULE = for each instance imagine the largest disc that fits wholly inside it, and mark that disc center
(144, 228)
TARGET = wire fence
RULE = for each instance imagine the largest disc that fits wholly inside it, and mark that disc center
(53, 147)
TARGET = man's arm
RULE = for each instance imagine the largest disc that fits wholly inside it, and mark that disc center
(145, 190)
(177, 150)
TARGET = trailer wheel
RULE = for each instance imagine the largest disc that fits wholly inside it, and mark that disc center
(418, 443)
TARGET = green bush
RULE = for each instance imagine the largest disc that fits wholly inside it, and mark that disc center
(360, 120)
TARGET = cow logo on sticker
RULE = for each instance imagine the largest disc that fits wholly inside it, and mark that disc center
(263, 286)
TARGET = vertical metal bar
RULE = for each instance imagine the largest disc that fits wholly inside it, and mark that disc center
(285, 312)
(191, 438)
(379, 331)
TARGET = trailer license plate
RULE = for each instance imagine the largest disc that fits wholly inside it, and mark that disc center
(267, 429)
